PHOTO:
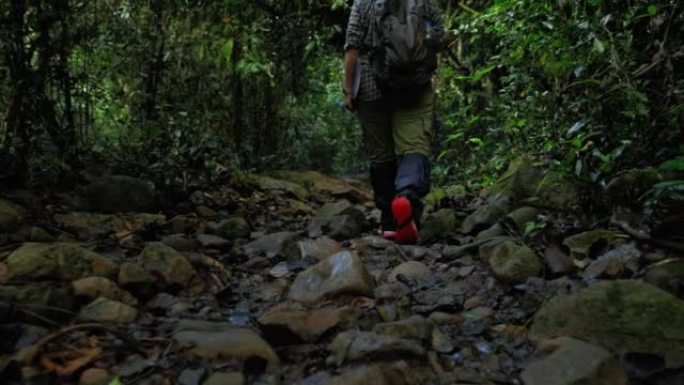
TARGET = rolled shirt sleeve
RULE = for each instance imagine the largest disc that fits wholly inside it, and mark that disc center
(355, 27)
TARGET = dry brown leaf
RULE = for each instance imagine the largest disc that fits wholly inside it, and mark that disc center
(66, 362)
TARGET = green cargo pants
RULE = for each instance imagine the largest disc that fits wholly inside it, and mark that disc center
(394, 126)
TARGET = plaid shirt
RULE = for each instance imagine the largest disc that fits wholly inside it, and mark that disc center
(361, 34)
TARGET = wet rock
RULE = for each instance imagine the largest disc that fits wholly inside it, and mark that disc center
(190, 376)
(414, 328)
(585, 244)
(623, 316)
(186, 224)
(63, 261)
(510, 261)
(570, 361)
(233, 378)
(106, 310)
(94, 376)
(133, 274)
(12, 216)
(483, 217)
(209, 241)
(370, 375)
(160, 259)
(323, 186)
(231, 228)
(439, 225)
(557, 260)
(287, 324)
(180, 242)
(93, 287)
(213, 340)
(355, 345)
(622, 261)
(342, 227)
(89, 225)
(339, 212)
(341, 273)
(496, 230)
(311, 249)
(411, 270)
(119, 193)
(206, 212)
(667, 275)
(268, 184)
(269, 245)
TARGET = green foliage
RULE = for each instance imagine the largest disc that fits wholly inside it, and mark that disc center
(589, 85)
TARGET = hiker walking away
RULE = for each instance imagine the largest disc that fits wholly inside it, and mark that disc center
(390, 58)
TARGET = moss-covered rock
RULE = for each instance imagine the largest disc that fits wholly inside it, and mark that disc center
(88, 225)
(483, 217)
(667, 275)
(62, 261)
(439, 225)
(581, 245)
(511, 262)
(324, 187)
(11, 216)
(266, 183)
(161, 260)
(120, 193)
(623, 316)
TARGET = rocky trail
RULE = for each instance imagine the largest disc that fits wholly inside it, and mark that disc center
(280, 280)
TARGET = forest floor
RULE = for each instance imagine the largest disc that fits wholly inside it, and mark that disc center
(282, 280)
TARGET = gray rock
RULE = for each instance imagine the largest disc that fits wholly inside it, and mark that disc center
(93, 287)
(483, 217)
(312, 249)
(209, 241)
(335, 211)
(570, 361)
(214, 340)
(232, 378)
(180, 242)
(411, 270)
(119, 193)
(186, 224)
(12, 216)
(305, 325)
(355, 345)
(106, 310)
(343, 227)
(231, 228)
(667, 275)
(341, 273)
(557, 260)
(623, 316)
(413, 328)
(63, 261)
(160, 259)
(270, 245)
(621, 262)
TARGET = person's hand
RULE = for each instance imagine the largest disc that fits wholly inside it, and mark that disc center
(349, 102)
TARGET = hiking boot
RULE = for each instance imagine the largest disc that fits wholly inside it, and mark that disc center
(407, 231)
